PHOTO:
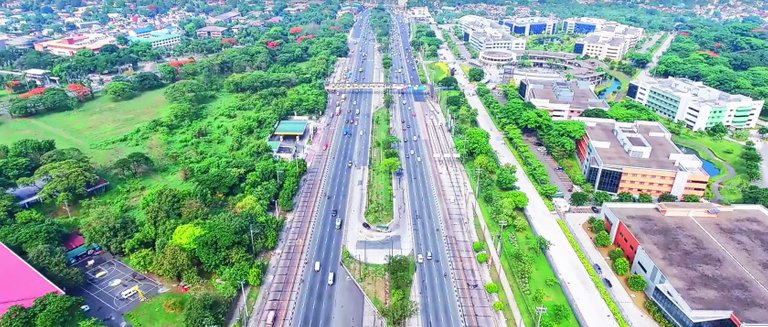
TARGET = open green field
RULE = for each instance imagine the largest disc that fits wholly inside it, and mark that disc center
(437, 71)
(153, 313)
(380, 205)
(726, 151)
(94, 122)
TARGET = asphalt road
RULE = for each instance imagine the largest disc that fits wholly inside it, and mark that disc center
(438, 302)
(316, 297)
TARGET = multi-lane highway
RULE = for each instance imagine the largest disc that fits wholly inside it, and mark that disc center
(438, 304)
(349, 150)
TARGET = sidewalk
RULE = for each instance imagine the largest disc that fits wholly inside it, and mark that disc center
(634, 316)
(588, 306)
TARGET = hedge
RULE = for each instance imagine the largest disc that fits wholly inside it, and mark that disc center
(593, 275)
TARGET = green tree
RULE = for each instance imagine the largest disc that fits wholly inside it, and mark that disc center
(185, 235)
(644, 198)
(763, 131)
(108, 226)
(625, 197)
(601, 197)
(491, 288)
(691, 198)
(390, 165)
(51, 261)
(204, 309)
(505, 177)
(145, 81)
(597, 225)
(168, 73)
(636, 282)
(667, 197)
(173, 263)
(120, 91)
(482, 257)
(67, 180)
(133, 165)
(579, 198)
(476, 74)
(717, 131)
(621, 266)
(542, 243)
(448, 82)
(602, 239)
(498, 305)
(49, 310)
(616, 253)
(477, 246)
(187, 91)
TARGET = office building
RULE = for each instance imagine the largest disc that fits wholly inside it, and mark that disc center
(604, 39)
(697, 105)
(69, 46)
(637, 157)
(530, 25)
(602, 46)
(211, 31)
(582, 25)
(165, 38)
(562, 99)
(705, 264)
(484, 34)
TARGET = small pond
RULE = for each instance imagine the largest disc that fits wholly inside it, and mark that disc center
(708, 166)
(615, 85)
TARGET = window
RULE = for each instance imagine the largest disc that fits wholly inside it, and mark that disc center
(642, 267)
(632, 247)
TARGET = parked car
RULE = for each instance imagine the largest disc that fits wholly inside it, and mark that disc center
(607, 282)
(598, 269)
(595, 209)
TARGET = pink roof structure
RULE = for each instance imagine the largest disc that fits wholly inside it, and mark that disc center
(73, 241)
(20, 283)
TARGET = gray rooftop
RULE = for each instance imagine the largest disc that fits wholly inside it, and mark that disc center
(615, 155)
(576, 93)
(715, 263)
(212, 29)
(699, 92)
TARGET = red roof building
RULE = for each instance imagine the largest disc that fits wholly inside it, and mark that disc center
(20, 283)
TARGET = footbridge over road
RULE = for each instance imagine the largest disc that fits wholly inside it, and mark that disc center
(378, 87)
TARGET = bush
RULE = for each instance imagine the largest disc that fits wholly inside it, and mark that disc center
(498, 305)
(492, 288)
(636, 282)
(621, 266)
(482, 257)
(616, 253)
(603, 239)
(597, 226)
(477, 246)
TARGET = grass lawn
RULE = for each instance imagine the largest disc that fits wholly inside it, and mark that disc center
(506, 310)
(152, 313)
(465, 69)
(725, 150)
(94, 122)
(371, 277)
(437, 71)
(380, 205)
(541, 272)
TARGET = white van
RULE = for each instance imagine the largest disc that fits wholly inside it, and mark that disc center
(330, 278)
(317, 266)
(128, 293)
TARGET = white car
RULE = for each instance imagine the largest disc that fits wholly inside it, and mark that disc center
(85, 308)
(418, 159)
(317, 266)
(330, 279)
(412, 152)
(429, 255)
(420, 258)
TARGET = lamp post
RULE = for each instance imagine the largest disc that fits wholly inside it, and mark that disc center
(540, 311)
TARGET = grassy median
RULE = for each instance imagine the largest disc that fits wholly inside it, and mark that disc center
(379, 210)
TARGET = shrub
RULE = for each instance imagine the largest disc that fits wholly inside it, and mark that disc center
(621, 266)
(551, 282)
(597, 226)
(616, 253)
(477, 246)
(498, 305)
(482, 257)
(603, 239)
(636, 282)
(492, 288)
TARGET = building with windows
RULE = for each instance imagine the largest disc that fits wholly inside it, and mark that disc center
(697, 105)
(530, 25)
(561, 98)
(604, 39)
(211, 31)
(69, 46)
(582, 25)
(164, 38)
(704, 263)
(484, 34)
(21, 284)
(637, 157)
(602, 46)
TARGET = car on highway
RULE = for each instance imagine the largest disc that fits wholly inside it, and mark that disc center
(349, 163)
(334, 213)
(429, 255)
(420, 258)
(317, 266)
(338, 223)
(406, 155)
(412, 151)
(330, 278)
(598, 269)
(607, 282)
(409, 125)
(415, 138)
(418, 159)
(403, 127)
(403, 101)
(402, 121)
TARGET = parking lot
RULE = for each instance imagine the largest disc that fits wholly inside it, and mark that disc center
(112, 289)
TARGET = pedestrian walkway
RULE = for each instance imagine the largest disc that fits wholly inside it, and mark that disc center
(620, 295)
(583, 296)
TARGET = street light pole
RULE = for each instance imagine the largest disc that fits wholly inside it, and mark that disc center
(245, 300)
(540, 311)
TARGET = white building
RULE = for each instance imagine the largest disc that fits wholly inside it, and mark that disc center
(531, 25)
(602, 45)
(604, 39)
(562, 99)
(697, 105)
(484, 34)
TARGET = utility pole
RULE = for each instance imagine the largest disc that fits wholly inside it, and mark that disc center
(540, 311)
(477, 181)
(245, 299)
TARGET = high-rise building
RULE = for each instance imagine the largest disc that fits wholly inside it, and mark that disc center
(697, 105)
(637, 157)
(604, 39)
